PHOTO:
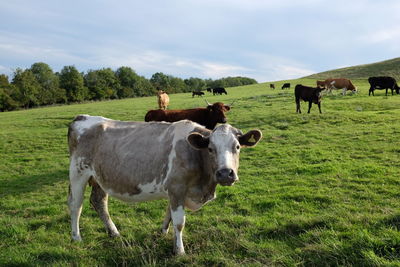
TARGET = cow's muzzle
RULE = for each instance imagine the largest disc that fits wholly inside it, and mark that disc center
(226, 176)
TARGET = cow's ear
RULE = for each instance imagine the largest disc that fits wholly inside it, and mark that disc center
(251, 138)
(209, 107)
(198, 141)
(227, 107)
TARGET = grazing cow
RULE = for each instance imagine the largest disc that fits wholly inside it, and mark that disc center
(383, 82)
(286, 85)
(208, 117)
(340, 83)
(310, 94)
(219, 91)
(272, 86)
(321, 84)
(163, 99)
(136, 161)
(197, 93)
(209, 89)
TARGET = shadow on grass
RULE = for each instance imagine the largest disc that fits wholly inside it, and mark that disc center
(291, 229)
(391, 221)
(27, 184)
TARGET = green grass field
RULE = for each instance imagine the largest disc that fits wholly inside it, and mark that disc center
(318, 190)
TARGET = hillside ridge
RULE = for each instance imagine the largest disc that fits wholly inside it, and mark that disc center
(390, 67)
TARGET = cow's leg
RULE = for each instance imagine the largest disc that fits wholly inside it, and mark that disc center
(298, 106)
(99, 201)
(319, 107)
(178, 220)
(78, 181)
(167, 220)
(386, 91)
(344, 91)
(309, 106)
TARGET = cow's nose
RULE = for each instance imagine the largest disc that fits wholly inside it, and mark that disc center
(225, 176)
(223, 120)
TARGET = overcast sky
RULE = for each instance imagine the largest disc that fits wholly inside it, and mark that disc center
(263, 39)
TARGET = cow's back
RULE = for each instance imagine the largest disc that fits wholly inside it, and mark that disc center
(130, 159)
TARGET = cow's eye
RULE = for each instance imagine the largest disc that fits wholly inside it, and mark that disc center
(237, 147)
(210, 150)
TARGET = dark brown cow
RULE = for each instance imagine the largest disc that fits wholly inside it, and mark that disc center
(308, 94)
(208, 117)
(321, 84)
(272, 86)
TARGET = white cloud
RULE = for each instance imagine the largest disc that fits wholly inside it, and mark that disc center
(382, 36)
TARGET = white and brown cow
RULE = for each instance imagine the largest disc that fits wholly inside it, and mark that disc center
(138, 161)
(339, 83)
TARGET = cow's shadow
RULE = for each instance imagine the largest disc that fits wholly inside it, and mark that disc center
(31, 183)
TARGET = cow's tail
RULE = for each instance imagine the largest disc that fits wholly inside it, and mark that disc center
(72, 135)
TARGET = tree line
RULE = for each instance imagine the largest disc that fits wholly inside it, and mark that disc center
(39, 85)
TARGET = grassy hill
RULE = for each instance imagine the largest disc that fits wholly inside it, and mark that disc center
(384, 68)
(318, 190)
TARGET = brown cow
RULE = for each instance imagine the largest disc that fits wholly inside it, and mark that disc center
(321, 84)
(163, 99)
(208, 117)
(340, 83)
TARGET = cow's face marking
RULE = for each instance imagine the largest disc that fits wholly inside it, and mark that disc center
(223, 147)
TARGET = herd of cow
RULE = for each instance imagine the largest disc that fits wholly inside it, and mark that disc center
(314, 94)
(179, 155)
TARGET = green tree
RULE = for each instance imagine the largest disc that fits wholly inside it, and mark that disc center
(195, 84)
(143, 87)
(102, 84)
(7, 103)
(177, 85)
(160, 81)
(127, 78)
(27, 88)
(49, 92)
(72, 82)
(4, 81)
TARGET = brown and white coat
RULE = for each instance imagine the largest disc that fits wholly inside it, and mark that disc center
(138, 161)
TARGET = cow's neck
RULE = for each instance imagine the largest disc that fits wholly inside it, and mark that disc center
(207, 180)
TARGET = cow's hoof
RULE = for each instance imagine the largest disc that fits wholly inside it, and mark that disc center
(114, 234)
(165, 230)
(76, 238)
(179, 251)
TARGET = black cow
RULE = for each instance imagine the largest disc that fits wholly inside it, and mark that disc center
(383, 82)
(286, 85)
(197, 93)
(310, 94)
(219, 91)
(209, 89)
(272, 86)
